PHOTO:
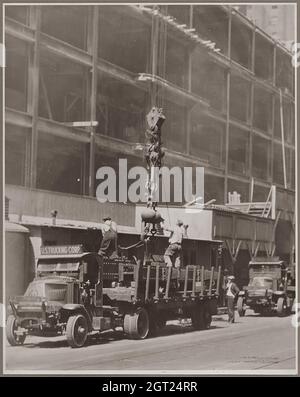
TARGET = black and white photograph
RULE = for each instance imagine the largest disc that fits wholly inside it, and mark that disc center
(150, 223)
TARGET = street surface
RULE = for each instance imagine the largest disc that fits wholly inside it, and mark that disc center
(252, 343)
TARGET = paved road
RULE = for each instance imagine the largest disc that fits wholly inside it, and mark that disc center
(252, 343)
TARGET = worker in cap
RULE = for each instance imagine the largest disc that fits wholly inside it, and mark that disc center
(174, 250)
(231, 294)
(109, 243)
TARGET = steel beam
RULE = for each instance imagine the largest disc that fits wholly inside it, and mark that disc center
(116, 72)
(33, 94)
(15, 117)
(93, 49)
(59, 129)
(66, 50)
(19, 30)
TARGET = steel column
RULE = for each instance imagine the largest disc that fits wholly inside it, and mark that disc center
(93, 50)
(33, 90)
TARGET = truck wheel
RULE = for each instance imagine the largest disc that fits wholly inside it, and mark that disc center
(240, 306)
(77, 330)
(153, 326)
(197, 317)
(11, 328)
(281, 307)
(161, 321)
(136, 325)
(207, 318)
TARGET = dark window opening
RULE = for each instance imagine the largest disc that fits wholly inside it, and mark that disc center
(288, 114)
(15, 155)
(277, 118)
(123, 39)
(66, 23)
(260, 193)
(180, 13)
(211, 23)
(207, 138)
(214, 188)
(208, 80)
(262, 110)
(263, 58)
(62, 89)
(261, 151)
(239, 88)
(60, 165)
(238, 151)
(16, 74)
(241, 44)
(174, 129)
(18, 13)
(278, 175)
(176, 63)
(284, 71)
(121, 110)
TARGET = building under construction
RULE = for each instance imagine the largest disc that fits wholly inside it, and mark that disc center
(226, 88)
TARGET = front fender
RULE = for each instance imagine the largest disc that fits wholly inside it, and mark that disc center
(279, 293)
(73, 306)
(71, 309)
(242, 293)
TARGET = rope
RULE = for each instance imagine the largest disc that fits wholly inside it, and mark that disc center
(136, 245)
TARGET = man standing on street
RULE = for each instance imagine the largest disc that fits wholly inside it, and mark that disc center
(231, 292)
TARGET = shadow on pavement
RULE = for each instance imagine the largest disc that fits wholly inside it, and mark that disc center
(112, 336)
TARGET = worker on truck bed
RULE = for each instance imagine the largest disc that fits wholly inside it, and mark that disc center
(109, 243)
(174, 250)
(231, 293)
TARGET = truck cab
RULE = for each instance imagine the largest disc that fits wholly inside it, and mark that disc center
(65, 296)
(269, 288)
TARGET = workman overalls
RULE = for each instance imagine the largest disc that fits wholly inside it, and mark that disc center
(109, 244)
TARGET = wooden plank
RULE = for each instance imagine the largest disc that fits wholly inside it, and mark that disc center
(156, 296)
(202, 280)
(136, 280)
(147, 283)
(211, 280)
(186, 281)
(218, 281)
(282, 141)
(194, 281)
(82, 124)
(166, 296)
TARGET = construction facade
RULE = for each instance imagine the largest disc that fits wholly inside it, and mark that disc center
(225, 86)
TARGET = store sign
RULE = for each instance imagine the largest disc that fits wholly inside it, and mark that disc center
(62, 249)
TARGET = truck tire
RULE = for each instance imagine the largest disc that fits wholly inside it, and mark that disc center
(161, 321)
(77, 331)
(281, 307)
(137, 324)
(197, 316)
(206, 318)
(240, 306)
(12, 337)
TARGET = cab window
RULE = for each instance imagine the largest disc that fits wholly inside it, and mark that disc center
(262, 282)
